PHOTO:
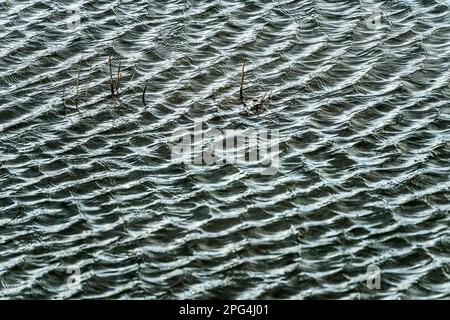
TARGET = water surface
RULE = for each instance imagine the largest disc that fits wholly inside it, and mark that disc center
(363, 113)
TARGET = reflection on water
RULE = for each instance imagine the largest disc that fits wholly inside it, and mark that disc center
(92, 206)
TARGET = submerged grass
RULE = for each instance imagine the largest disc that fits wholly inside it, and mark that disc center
(241, 91)
(110, 75)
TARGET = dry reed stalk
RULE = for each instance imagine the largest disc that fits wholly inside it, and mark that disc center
(135, 71)
(143, 95)
(78, 85)
(241, 92)
(63, 98)
(110, 75)
(119, 75)
(119, 82)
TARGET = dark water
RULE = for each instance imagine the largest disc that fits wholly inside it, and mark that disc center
(363, 112)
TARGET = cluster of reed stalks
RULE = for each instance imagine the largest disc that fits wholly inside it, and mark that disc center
(77, 90)
(118, 79)
(114, 84)
(256, 105)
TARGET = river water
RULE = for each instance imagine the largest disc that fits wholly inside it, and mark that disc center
(93, 205)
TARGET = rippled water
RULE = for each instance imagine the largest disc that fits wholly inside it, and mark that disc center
(361, 104)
